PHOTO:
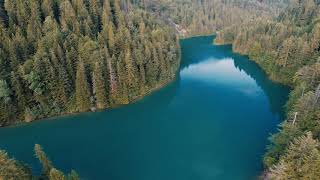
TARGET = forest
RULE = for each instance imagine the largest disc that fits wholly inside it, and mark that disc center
(12, 169)
(206, 17)
(66, 56)
(283, 37)
(287, 47)
(61, 56)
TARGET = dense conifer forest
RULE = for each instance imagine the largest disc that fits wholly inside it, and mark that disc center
(64, 56)
(202, 17)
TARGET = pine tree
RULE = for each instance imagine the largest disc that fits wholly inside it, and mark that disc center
(141, 69)
(302, 160)
(88, 50)
(153, 68)
(131, 80)
(18, 89)
(286, 51)
(162, 64)
(142, 28)
(71, 59)
(56, 175)
(34, 25)
(64, 84)
(95, 12)
(99, 86)
(45, 162)
(111, 41)
(12, 169)
(106, 13)
(22, 11)
(47, 8)
(68, 17)
(5, 92)
(10, 8)
(122, 96)
(120, 22)
(315, 41)
(82, 89)
(112, 74)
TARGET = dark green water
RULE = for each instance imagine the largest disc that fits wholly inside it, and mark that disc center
(211, 123)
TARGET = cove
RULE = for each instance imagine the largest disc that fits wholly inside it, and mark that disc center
(212, 122)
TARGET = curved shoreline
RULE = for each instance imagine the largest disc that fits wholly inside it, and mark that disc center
(140, 97)
(147, 93)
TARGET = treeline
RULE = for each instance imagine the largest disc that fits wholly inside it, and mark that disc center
(288, 49)
(15, 170)
(66, 56)
(208, 16)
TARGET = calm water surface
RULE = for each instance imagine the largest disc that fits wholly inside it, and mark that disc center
(211, 123)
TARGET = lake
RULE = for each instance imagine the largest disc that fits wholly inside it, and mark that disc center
(212, 122)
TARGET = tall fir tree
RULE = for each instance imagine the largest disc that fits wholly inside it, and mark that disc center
(99, 86)
(82, 89)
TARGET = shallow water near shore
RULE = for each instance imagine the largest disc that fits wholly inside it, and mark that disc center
(212, 122)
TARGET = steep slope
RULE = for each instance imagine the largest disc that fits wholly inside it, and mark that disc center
(195, 17)
(65, 56)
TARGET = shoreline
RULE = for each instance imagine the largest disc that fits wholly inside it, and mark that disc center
(150, 91)
(194, 36)
(66, 114)
(275, 80)
(136, 99)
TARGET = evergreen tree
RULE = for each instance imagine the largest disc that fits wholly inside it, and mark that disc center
(302, 161)
(47, 8)
(131, 81)
(111, 41)
(68, 17)
(45, 162)
(106, 13)
(5, 92)
(18, 90)
(99, 86)
(56, 175)
(11, 169)
(50, 49)
(82, 89)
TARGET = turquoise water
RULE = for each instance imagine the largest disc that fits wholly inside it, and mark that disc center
(211, 123)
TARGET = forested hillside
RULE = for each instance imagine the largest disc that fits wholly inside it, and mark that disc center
(66, 56)
(195, 17)
(288, 49)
